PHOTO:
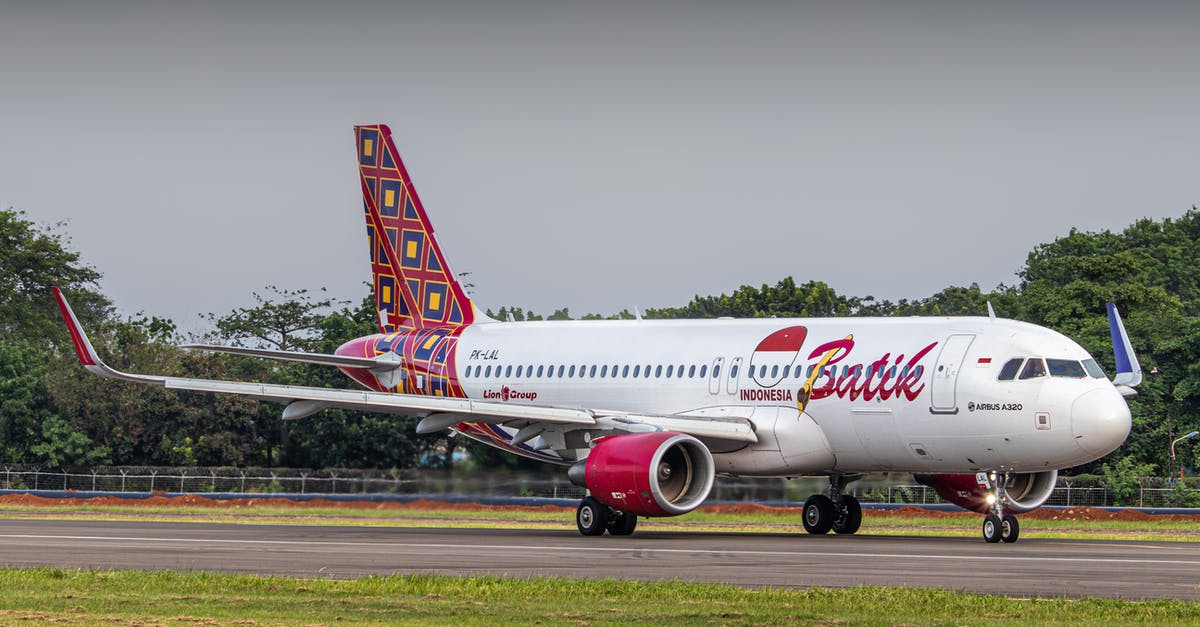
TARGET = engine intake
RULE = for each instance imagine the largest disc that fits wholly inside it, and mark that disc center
(648, 474)
(1025, 491)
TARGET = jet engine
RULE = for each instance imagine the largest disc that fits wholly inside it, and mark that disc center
(648, 474)
(1025, 491)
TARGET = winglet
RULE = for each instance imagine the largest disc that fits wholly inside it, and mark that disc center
(1129, 371)
(83, 346)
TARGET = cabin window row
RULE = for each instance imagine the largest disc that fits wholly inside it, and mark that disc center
(626, 371)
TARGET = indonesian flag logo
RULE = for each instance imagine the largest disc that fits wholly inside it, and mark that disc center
(775, 355)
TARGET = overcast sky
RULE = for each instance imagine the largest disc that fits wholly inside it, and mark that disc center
(596, 155)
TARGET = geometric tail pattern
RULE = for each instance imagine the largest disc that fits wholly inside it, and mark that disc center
(413, 285)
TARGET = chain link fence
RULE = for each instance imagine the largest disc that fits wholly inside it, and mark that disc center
(898, 489)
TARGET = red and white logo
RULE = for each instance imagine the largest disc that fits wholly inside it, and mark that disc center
(774, 356)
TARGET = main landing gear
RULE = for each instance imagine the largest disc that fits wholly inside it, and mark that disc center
(999, 526)
(594, 518)
(837, 512)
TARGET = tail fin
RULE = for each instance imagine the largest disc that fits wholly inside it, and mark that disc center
(414, 288)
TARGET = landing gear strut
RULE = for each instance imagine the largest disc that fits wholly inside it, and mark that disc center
(837, 512)
(594, 518)
(999, 526)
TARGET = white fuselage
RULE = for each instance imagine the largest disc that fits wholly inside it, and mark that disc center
(933, 402)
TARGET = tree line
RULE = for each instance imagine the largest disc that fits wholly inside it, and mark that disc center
(52, 413)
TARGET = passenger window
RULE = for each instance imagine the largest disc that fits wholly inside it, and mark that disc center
(657, 372)
(703, 371)
(571, 372)
(716, 370)
(592, 372)
(625, 372)
(646, 371)
(670, 371)
(519, 370)
(560, 371)
(786, 369)
(508, 372)
(488, 372)
(692, 371)
(733, 371)
(603, 371)
(1010, 368)
(636, 371)
(1033, 368)
(679, 372)
(540, 371)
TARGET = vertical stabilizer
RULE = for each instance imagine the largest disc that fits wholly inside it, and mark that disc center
(414, 287)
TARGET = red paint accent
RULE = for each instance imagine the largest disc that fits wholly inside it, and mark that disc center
(789, 339)
(962, 490)
(81, 346)
(985, 360)
(853, 382)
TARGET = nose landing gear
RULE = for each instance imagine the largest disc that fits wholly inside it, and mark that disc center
(999, 526)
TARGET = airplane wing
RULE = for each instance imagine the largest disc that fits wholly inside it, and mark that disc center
(437, 412)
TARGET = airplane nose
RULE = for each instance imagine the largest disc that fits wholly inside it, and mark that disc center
(1100, 421)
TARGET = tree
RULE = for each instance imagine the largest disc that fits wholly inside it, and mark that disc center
(32, 259)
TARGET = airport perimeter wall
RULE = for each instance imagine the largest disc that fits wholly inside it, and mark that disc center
(883, 489)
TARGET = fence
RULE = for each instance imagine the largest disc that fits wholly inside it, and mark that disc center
(1071, 491)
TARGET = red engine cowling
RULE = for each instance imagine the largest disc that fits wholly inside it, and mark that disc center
(1025, 491)
(648, 474)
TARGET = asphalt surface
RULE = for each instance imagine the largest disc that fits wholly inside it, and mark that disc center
(1030, 567)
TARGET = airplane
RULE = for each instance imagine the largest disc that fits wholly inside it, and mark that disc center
(646, 413)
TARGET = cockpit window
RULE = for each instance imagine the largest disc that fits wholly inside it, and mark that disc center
(1093, 369)
(1033, 368)
(1010, 368)
(1065, 368)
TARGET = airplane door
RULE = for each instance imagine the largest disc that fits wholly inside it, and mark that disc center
(714, 376)
(945, 374)
(734, 372)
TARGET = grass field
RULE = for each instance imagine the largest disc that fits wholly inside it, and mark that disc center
(45, 596)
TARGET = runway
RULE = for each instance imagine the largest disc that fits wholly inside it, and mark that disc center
(1030, 567)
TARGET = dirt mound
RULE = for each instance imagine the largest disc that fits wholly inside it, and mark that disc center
(196, 500)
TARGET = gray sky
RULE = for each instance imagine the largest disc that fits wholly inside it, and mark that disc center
(596, 155)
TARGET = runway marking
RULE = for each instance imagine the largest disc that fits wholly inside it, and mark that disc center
(603, 549)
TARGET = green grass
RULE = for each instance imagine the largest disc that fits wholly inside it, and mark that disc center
(49, 595)
(765, 520)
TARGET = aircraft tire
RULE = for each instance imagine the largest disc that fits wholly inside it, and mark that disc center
(591, 517)
(850, 520)
(621, 523)
(992, 528)
(818, 514)
(1010, 529)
